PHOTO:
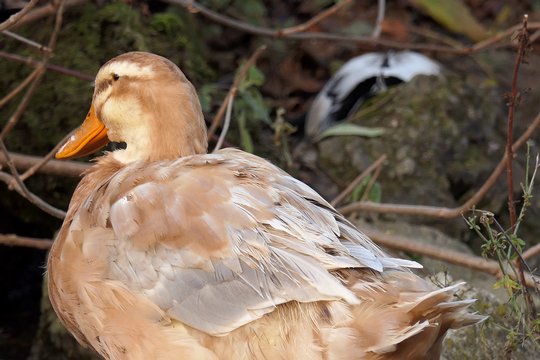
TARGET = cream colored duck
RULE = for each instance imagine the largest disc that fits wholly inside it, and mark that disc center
(168, 252)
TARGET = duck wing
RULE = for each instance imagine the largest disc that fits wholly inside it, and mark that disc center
(219, 240)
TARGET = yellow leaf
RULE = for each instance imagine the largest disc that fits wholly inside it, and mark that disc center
(453, 15)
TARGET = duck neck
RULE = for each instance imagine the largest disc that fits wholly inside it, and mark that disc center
(164, 133)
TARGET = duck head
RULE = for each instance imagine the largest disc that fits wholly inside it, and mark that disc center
(145, 101)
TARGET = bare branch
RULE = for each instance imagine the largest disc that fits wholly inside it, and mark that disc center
(234, 88)
(52, 167)
(13, 19)
(15, 240)
(381, 9)
(314, 20)
(523, 39)
(27, 41)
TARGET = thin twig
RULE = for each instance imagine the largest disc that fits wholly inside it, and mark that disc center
(381, 8)
(19, 87)
(523, 39)
(361, 41)
(444, 212)
(32, 170)
(314, 20)
(27, 41)
(15, 181)
(53, 167)
(342, 195)
(15, 240)
(512, 103)
(52, 67)
(226, 124)
(234, 88)
(13, 19)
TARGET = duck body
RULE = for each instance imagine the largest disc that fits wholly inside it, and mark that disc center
(191, 255)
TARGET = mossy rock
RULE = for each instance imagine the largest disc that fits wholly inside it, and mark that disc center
(441, 138)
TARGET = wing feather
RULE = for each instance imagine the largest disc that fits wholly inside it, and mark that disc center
(218, 241)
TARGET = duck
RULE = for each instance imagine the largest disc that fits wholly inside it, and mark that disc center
(170, 252)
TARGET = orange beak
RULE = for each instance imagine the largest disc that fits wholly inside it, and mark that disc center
(88, 138)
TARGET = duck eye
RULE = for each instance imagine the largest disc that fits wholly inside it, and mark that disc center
(115, 77)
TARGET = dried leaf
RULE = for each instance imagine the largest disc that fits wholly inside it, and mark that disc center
(453, 15)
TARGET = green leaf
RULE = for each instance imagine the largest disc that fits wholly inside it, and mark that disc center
(254, 77)
(508, 283)
(375, 194)
(453, 15)
(245, 137)
(347, 129)
(359, 190)
(206, 93)
(255, 102)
